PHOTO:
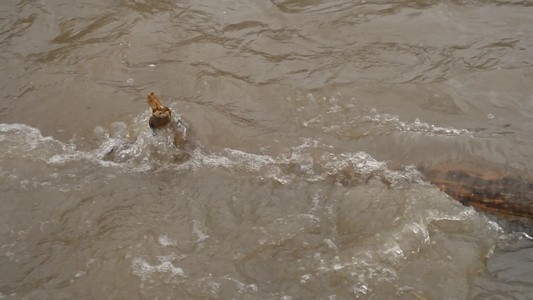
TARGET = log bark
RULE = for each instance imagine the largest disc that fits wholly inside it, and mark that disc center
(488, 190)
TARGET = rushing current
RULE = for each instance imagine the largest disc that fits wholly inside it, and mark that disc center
(309, 122)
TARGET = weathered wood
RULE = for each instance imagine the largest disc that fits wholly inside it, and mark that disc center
(161, 115)
(162, 118)
(487, 190)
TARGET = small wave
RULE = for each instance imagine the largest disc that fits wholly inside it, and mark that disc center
(149, 151)
(21, 140)
(345, 117)
(416, 126)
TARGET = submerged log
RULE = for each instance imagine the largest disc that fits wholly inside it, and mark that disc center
(488, 190)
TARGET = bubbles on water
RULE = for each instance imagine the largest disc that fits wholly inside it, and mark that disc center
(331, 244)
(165, 241)
(119, 130)
(416, 126)
(344, 117)
(145, 270)
(359, 289)
(305, 278)
(79, 274)
(252, 161)
(199, 230)
(23, 141)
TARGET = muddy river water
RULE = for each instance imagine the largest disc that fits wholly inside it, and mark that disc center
(310, 120)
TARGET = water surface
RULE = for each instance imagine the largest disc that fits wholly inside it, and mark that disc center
(310, 120)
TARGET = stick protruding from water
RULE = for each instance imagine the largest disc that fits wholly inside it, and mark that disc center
(161, 115)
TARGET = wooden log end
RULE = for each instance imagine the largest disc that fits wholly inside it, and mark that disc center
(161, 115)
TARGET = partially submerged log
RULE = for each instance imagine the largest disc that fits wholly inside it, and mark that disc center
(162, 118)
(161, 115)
(488, 190)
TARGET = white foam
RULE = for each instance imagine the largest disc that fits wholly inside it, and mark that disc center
(21, 140)
(138, 149)
(165, 241)
(79, 274)
(252, 161)
(230, 159)
(198, 229)
(145, 270)
(346, 114)
(416, 126)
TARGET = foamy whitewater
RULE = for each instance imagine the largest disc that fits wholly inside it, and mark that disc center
(369, 259)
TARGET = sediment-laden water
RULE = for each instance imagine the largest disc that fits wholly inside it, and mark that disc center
(309, 124)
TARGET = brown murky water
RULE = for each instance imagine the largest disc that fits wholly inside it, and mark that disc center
(309, 118)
